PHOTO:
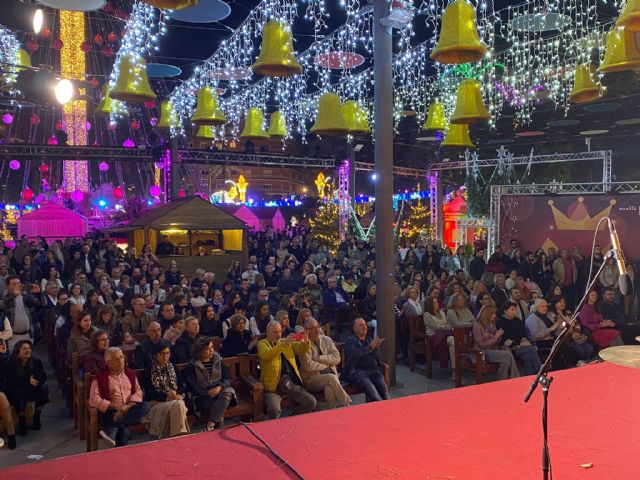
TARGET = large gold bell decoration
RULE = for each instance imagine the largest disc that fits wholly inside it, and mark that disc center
(620, 52)
(24, 59)
(435, 117)
(585, 89)
(330, 120)
(132, 84)
(457, 137)
(205, 132)
(277, 58)
(470, 107)
(254, 125)
(630, 16)
(108, 105)
(208, 111)
(355, 118)
(171, 4)
(168, 116)
(277, 125)
(459, 41)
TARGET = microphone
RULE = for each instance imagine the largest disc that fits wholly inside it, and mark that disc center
(624, 280)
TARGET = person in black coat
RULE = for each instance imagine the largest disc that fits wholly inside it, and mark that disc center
(25, 377)
(239, 340)
(143, 355)
(182, 349)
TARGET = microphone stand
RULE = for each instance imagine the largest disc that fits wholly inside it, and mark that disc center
(544, 380)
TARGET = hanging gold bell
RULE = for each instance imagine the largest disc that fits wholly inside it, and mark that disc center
(630, 16)
(459, 41)
(207, 110)
(168, 116)
(277, 58)
(277, 125)
(329, 120)
(585, 89)
(355, 118)
(457, 137)
(435, 117)
(24, 59)
(621, 52)
(108, 105)
(205, 132)
(470, 107)
(132, 84)
(171, 4)
(254, 125)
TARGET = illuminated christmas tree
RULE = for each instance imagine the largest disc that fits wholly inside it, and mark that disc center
(325, 226)
(417, 223)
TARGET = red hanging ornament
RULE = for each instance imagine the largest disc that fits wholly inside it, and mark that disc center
(97, 39)
(57, 44)
(150, 104)
(182, 193)
(32, 45)
(108, 8)
(94, 82)
(85, 46)
(108, 51)
(45, 32)
(35, 119)
(118, 193)
(58, 125)
(27, 194)
(44, 168)
(112, 37)
(135, 125)
(120, 13)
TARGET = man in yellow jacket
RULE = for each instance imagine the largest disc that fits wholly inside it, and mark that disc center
(279, 373)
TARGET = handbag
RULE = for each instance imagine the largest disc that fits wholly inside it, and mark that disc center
(285, 385)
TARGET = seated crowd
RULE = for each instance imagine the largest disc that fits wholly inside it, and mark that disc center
(90, 298)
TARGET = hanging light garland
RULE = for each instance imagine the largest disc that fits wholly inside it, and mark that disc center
(9, 53)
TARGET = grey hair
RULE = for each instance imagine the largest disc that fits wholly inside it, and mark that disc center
(538, 302)
(272, 324)
(109, 351)
(307, 322)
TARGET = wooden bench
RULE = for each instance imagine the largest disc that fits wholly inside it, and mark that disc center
(249, 391)
(419, 342)
(77, 385)
(469, 358)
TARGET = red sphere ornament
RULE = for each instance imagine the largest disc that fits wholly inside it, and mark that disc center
(58, 125)
(85, 46)
(135, 125)
(108, 8)
(150, 104)
(182, 193)
(108, 51)
(118, 193)
(94, 82)
(97, 39)
(32, 45)
(44, 168)
(57, 44)
(45, 32)
(35, 119)
(112, 37)
(120, 13)
(27, 194)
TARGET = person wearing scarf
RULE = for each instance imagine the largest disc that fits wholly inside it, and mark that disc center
(168, 413)
(208, 381)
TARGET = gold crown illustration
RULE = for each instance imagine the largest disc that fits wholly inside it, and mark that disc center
(580, 218)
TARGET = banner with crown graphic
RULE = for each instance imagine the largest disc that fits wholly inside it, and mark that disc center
(562, 221)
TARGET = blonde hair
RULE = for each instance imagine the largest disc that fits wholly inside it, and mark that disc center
(486, 315)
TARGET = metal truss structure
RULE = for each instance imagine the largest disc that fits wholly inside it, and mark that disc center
(498, 191)
(399, 171)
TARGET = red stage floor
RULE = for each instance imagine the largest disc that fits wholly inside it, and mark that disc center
(483, 432)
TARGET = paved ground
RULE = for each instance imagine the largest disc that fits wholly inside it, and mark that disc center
(58, 438)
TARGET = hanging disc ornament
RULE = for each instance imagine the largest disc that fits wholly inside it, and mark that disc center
(14, 164)
(103, 166)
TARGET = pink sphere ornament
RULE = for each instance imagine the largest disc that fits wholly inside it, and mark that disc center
(7, 119)
(52, 140)
(44, 168)
(104, 166)
(58, 125)
(182, 193)
(108, 51)
(118, 193)
(27, 194)
(128, 143)
(155, 191)
(35, 119)
(87, 126)
(57, 44)
(77, 196)
(32, 45)
(14, 164)
(150, 104)
(135, 125)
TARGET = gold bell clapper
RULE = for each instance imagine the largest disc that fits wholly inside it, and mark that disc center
(630, 16)
(205, 132)
(277, 58)
(435, 117)
(208, 110)
(470, 107)
(355, 117)
(329, 120)
(171, 4)
(457, 137)
(585, 89)
(254, 125)
(108, 105)
(168, 116)
(277, 125)
(620, 52)
(132, 84)
(459, 41)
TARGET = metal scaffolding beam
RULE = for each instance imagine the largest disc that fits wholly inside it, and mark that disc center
(398, 171)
